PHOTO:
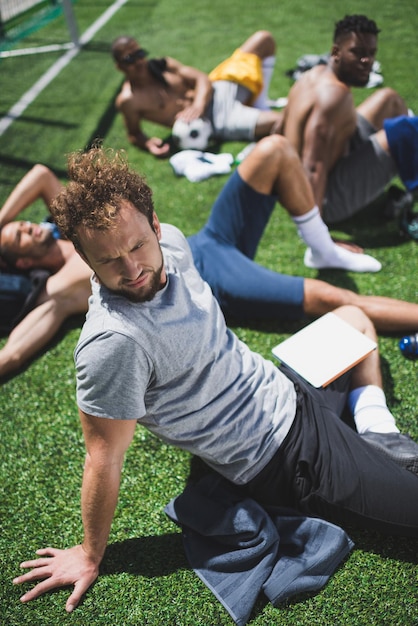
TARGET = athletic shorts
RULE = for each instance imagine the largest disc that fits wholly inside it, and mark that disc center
(237, 82)
(324, 468)
(244, 68)
(224, 251)
(231, 119)
(359, 177)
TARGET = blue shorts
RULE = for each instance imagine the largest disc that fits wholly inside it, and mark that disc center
(224, 250)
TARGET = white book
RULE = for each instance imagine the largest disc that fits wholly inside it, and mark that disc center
(324, 350)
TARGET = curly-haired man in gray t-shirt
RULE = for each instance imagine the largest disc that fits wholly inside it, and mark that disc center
(155, 349)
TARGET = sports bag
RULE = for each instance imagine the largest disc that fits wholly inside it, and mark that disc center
(18, 294)
(308, 61)
(305, 63)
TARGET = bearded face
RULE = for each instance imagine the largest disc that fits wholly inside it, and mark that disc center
(26, 239)
(354, 57)
(128, 260)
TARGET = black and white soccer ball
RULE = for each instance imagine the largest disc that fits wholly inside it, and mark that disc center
(192, 135)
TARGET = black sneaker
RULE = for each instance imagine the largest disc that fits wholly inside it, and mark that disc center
(398, 447)
(408, 224)
(398, 202)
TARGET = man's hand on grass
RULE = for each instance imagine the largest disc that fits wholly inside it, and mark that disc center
(158, 147)
(59, 568)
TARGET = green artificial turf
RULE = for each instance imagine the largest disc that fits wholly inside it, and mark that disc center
(145, 579)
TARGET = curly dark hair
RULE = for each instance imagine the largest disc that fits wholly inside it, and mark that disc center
(354, 24)
(100, 180)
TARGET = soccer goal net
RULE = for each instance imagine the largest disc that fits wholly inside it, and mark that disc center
(20, 18)
(13, 8)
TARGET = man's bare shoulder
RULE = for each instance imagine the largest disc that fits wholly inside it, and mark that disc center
(125, 95)
(73, 268)
(322, 78)
(321, 89)
(134, 100)
(173, 65)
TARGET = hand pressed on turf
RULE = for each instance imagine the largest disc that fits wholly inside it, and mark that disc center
(59, 568)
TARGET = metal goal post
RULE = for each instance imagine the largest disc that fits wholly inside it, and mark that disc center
(18, 18)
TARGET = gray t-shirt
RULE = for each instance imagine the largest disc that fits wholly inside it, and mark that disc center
(173, 365)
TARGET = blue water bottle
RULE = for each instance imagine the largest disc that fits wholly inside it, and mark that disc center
(409, 346)
(53, 228)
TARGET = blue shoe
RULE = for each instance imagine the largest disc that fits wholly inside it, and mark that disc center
(400, 448)
(409, 346)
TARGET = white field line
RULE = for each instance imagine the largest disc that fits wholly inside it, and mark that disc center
(55, 47)
(17, 109)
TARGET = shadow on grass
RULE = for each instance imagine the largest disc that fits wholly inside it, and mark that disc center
(389, 547)
(287, 326)
(269, 327)
(43, 121)
(151, 556)
(25, 165)
(370, 228)
(104, 123)
(338, 278)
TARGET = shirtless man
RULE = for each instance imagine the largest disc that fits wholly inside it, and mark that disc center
(28, 245)
(344, 149)
(163, 90)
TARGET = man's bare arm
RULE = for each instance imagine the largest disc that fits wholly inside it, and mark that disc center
(136, 136)
(66, 293)
(201, 87)
(38, 182)
(106, 443)
(325, 135)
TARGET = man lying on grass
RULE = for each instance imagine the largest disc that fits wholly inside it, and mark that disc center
(25, 245)
(233, 97)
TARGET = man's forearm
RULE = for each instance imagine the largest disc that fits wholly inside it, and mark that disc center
(99, 498)
(203, 94)
(138, 139)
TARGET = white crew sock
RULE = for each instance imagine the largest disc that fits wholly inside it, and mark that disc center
(268, 64)
(324, 252)
(370, 412)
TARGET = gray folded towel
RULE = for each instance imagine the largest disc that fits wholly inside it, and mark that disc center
(238, 548)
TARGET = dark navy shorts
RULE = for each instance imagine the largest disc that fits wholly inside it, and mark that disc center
(224, 251)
